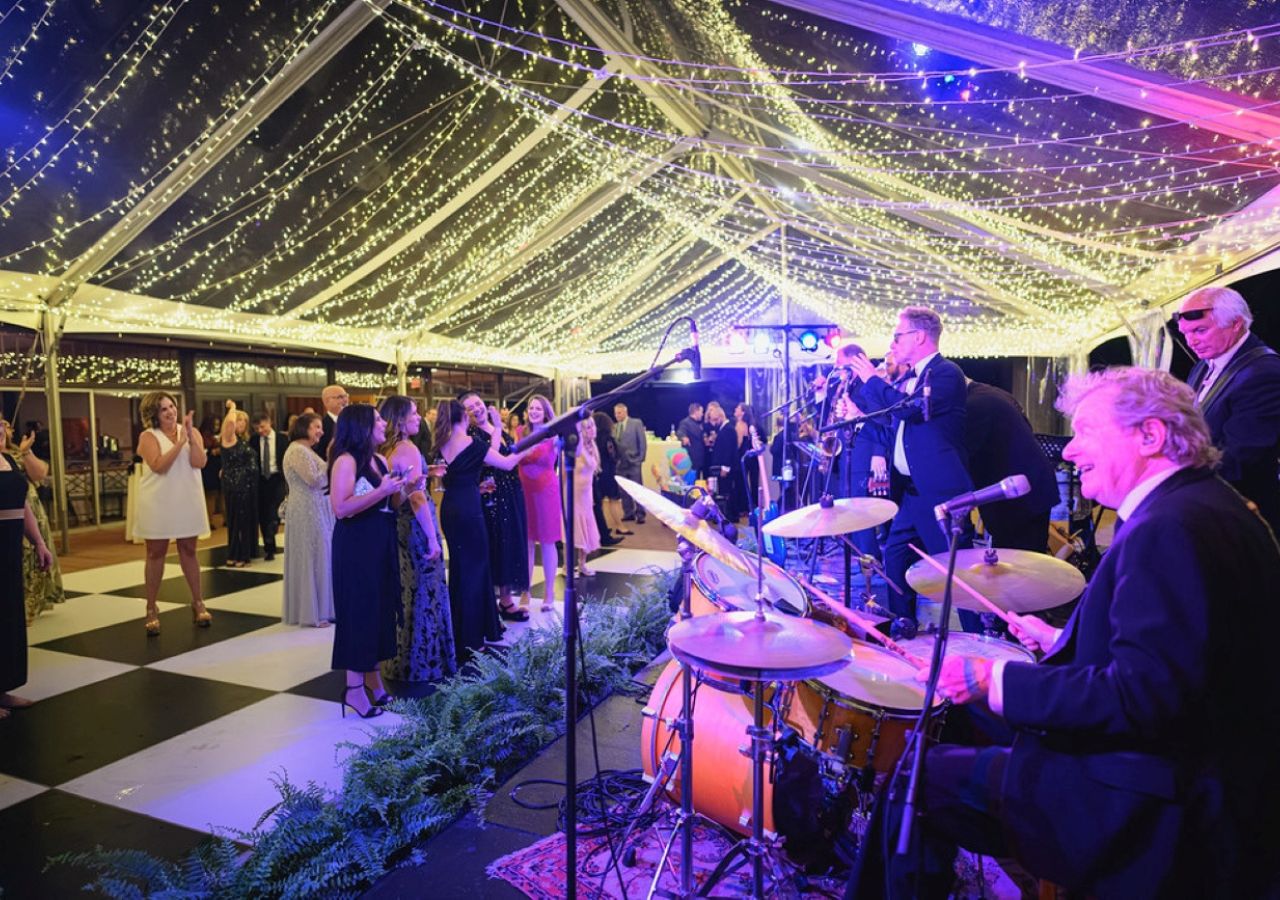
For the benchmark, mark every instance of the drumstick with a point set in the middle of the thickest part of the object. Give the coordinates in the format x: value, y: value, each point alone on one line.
x: 860, y: 623
x: 972, y: 591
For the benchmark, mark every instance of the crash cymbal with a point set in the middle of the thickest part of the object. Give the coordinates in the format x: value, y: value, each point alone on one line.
x: 1019, y: 581
x: 703, y: 534
x: 772, y: 647
x: 841, y: 517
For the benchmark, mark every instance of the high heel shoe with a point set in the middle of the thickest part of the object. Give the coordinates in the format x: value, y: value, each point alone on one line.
x: 152, y: 622
x: 369, y: 713
x: 512, y: 613
x: 379, y: 699
x: 201, y: 616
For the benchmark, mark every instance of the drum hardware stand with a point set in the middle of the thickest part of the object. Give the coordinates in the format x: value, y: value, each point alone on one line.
x: 565, y: 426
x: 756, y: 848
x: 682, y: 726
x: 956, y: 530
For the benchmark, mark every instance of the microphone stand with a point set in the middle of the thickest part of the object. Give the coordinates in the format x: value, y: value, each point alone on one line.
x: 566, y: 426
x: 909, y: 813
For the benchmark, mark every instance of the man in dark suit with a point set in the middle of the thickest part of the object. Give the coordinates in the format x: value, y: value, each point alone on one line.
x: 724, y: 452
x: 335, y: 400
x: 269, y: 445
x: 1237, y: 385
x: 690, y: 433
x: 1000, y: 443
x: 864, y: 447
x: 927, y: 459
x: 1143, y: 762
x: 633, y: 445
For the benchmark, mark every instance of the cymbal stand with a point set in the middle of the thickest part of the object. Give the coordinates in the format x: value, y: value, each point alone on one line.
x: 756, y: 848
x: 683, y: 727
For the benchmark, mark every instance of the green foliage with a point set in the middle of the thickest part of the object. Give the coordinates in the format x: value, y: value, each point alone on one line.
x: 410, y: 781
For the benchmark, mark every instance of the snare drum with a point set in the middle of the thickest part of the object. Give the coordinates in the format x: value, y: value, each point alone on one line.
x: 961, y: 643
x: 858, y: 717
x: 717, y: 588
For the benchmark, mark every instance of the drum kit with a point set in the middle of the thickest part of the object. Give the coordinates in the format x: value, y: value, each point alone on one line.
x: 784, y: 673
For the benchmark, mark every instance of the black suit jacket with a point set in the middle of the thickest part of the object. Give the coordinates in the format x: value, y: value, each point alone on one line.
x: 322, y: 445
x: 691, y: 429
x: 935, y: 449
x: 1145, y: 762
x: 1000, y: 443
x: 282, y: 441
x: 724, y: 452
x: 1243, y: 412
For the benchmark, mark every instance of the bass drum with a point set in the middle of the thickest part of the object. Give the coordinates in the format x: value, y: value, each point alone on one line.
x: 721, y: 770
x: 717, y: 588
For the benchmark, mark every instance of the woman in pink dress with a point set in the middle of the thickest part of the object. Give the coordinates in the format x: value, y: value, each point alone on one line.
x: 585, y: 532
x: 541, y: 483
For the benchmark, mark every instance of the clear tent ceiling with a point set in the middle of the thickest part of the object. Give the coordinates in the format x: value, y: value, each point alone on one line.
x: 549, y: 184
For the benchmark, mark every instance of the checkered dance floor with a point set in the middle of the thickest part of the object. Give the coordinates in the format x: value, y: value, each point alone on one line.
x: 150, y: 743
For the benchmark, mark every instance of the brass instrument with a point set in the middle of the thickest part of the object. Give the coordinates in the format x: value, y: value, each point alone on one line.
x: 831, y: 443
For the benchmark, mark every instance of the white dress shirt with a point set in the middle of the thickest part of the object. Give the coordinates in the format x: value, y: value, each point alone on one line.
x: 899, y: 452
x: 1128, y: 506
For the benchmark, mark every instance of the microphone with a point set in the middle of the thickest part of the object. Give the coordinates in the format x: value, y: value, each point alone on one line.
x: 1006, y: 489
x: 695, y: 352
x: 927, y: 392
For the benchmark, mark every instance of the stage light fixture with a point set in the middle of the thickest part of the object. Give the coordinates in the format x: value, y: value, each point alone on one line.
x: 808, y: 341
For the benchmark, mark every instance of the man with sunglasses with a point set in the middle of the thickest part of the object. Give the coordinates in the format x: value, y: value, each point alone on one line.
x: 928, y: 463
x: 1237, y: 387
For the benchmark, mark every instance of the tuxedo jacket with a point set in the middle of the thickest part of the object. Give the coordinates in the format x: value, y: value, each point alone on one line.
x: 999, y: 442
x: 282, y: 441
x: 1145, y: 762
x: 1242, y: 409
x: 935, y: 449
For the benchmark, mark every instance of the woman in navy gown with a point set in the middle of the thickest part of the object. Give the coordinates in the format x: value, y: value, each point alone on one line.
x: 366, y: 556
x: 475, y: 614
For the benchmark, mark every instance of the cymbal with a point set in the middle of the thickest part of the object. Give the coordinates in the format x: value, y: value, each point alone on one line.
x: 1019, y: 581
x: 775, y: 647
x: 841, y: 517
x: 701, y: 533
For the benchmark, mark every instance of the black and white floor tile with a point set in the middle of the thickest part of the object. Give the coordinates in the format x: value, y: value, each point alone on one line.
x: 151, y: 743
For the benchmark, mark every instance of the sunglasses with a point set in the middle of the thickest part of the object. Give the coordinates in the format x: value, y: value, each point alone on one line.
x: 1191, y: 315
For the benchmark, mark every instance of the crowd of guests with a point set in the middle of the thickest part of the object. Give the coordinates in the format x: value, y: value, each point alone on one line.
x: 717, y: 448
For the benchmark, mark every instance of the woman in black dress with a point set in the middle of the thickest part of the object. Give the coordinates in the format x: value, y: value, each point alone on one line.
x: 505, y: 516
x: 475, y: 617
x: 239, y: 487
x: 365, y: 560
x: 16, y: 519
x: 607, y: 496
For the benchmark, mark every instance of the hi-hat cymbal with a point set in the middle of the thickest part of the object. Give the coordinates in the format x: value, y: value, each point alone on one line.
x: 1019, y: 581
x: 701, y: 533
x: 841, y: 517
x: 775, y: 647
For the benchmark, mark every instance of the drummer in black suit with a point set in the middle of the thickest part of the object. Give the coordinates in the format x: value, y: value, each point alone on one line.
x: 1143, y: 761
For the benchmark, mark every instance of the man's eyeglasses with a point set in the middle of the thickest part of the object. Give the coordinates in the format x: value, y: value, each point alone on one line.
x: 902, y: 334
x: 1191, y: 315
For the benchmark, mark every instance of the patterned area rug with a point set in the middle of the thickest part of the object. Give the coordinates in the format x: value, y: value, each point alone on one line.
x: 539, y: 869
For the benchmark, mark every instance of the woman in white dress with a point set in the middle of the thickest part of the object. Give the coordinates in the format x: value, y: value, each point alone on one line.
x: 308, y: 529
x: 170, y: 504
x: 586, y: 534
